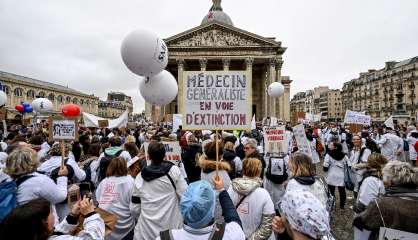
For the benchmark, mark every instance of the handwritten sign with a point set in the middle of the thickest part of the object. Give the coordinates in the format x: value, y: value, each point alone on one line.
x: 352, y: 117
x: 303, y: 143
x: 275, y: 139
x: 217, y: 100
x: 172, y: 151
x: 103, y: 123
x: 63, y: 129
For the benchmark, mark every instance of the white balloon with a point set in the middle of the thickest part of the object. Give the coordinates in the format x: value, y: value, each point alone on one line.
x: 3, y: 99
x: 42, y: 105
x: 275, y: 89
x: 159, y: 89
x: 144, y: 53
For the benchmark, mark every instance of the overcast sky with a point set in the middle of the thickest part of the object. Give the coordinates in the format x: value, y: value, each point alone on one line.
x: 78, y: 42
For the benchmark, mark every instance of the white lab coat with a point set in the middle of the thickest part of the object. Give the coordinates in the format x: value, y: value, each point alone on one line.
x: 114, y: 195
x: 390, y: 144
x: 159, y: 209
x: 335, y: 174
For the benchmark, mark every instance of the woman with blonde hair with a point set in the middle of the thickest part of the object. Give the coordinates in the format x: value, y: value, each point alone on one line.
x: 304, y: 178
x: 21, y: 166
x: 253, y: 203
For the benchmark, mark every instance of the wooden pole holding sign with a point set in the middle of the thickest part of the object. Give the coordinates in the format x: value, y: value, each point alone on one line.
x: 62, y: 144
x: 217, y: 153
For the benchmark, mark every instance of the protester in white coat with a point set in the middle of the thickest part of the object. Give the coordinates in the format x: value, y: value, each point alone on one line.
x: 35, y: 220
x: 156, y: 196
x: 391, y: 146
x: 304, y: 178
x: 334, y: 167
x: 371, y: 188
x: 114, y: 195
x: 21, y: 165
x: 253, y: 203
x: 358, y: 155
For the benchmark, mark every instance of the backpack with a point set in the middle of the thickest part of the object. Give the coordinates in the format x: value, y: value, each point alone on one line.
x: 405, y: 146
x: 8, y: 199
x: 70, y: 176
x: 276, y: 171
x: 104, y: 163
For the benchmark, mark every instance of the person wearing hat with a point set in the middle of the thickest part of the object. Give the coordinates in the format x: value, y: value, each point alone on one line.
x: 197, y: 207
x: 302, y: 217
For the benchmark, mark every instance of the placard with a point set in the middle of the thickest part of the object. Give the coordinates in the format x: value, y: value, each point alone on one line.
x: 352, y: 117
x: 303, y: 144
x: 393, y: 234
x: 217, y: 100
x: 172, y: 151
x: 103, y: 123
x: 66, y: 129
x: 177, y: 121
x: 275, y: 140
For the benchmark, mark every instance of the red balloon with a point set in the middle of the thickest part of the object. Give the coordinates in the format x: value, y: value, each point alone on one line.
x: 70, y: 110
x: 20, y: 108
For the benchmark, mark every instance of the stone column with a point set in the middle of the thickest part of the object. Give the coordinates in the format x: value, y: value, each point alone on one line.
x: 180, y: 69
x: 271, y: 79
x: 249, y: 68
x: 286, y: 102
x: 203, y: 62
x: 226, y: 62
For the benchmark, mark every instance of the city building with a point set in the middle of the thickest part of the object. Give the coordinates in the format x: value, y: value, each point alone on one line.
x: 389, y: 91
x: 218, y: 45
x: 308, y: 101
x: 24, y: 89
x: 115, y: 104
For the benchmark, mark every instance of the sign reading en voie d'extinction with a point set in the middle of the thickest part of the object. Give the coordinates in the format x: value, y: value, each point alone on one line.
x: 217, y: 100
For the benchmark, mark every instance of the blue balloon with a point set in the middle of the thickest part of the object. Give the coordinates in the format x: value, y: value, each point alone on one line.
x: 25, y: 104
x: 27, y: 109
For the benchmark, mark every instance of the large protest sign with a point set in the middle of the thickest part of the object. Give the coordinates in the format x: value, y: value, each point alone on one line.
x: 303, y: 143
x: 217, y: 100
x: 172, y: 149
x: 275, y: 141
x: 66, y: 129
x: 352, y: 117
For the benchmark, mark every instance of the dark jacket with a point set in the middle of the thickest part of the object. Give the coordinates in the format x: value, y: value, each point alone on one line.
x: 229, y: 157
x: 399, y: 208
x: 190, y: 156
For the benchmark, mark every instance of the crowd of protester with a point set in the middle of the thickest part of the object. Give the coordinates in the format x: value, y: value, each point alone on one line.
x: 110, y: 188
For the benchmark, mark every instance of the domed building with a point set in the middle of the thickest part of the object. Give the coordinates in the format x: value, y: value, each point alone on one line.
x: 217, y: 45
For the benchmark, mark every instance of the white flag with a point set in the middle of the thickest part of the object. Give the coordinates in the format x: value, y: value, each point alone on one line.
x: 253, y: 125
x: 389, y: 122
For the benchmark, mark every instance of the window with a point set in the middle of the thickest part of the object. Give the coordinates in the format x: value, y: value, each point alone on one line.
x: 6, y: 89
x: 60, y: 99
x: 30, y: 94
x: 51, y: 97
x: 68, y: 99
x: 81, y: 101
x: 18, y: 92
x: 41, y: 94
x: 75, y: 101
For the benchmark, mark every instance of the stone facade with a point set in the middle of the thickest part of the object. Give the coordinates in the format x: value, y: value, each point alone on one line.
x: 115, y: 104
x: 217, y: 45
x: 23, y: 89
x: 392, y: 90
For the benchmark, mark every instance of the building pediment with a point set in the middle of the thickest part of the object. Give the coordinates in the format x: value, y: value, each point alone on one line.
x: 219, y: 35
